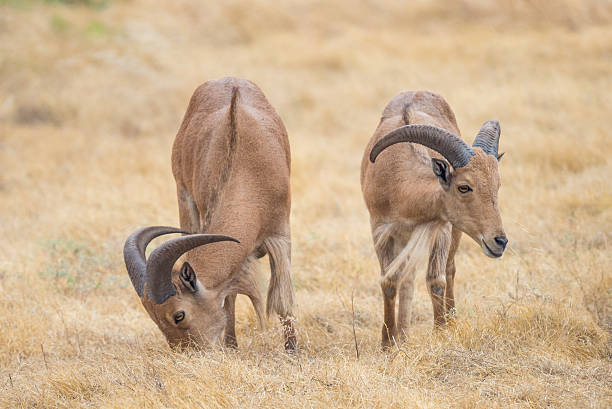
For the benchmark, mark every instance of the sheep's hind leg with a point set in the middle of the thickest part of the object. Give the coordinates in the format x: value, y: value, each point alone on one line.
x: 189, y: 216
x: 280, y: 290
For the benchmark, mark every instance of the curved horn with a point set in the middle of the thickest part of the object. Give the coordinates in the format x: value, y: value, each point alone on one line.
x: 449, y: 145
x: 159, y: 266
x: 134, y: 252
x: 488, y: 138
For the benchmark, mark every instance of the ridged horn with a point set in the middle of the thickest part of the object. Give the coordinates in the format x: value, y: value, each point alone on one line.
x: 449, y: 145
x: 134, y: 252
x: 488, y: 138
x: 158, y: 274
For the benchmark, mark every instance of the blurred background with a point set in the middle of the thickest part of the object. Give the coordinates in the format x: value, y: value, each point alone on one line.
x: 92, y: 93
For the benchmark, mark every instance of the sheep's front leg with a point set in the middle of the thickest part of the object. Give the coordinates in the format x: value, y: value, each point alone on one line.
x: 406, y: 294
x: 230, y: 328
x: 389, y: 331
x: 386, y: 254
x: 450, y: 274
x: 436, y: 273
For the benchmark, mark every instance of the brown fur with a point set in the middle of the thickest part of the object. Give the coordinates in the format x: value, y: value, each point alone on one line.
x: 231, y: 164
x: 412, y: 214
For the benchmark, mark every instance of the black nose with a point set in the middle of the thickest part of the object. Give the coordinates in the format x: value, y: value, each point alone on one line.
x: 501, y: 241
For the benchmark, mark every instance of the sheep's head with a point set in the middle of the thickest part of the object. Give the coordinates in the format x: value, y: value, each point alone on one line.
x: 469, y: 178
x: 185, y: 311
x: 470, y: 200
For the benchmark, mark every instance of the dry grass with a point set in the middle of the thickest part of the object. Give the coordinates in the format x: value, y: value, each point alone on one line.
x: 91, y: 97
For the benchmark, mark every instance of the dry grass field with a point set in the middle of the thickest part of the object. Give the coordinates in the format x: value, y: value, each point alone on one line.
x: 92, y: 94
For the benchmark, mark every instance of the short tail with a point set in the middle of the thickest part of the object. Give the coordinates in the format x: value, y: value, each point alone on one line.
x: 232, y: 113
x: 406, y: 113
x: 280, y: 290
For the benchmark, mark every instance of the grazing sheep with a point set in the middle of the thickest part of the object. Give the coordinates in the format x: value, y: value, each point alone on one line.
x: 231, y: 164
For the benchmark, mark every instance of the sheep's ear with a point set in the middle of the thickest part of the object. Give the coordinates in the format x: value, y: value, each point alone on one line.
x: 441, y: 169
x: 188, y: 277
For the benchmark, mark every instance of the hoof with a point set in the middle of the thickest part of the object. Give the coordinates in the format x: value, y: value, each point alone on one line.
x: 291, y: 345
x: 451, y: 314
x: 387, y: 344
x: 230, y: 342
x: 389, y: 337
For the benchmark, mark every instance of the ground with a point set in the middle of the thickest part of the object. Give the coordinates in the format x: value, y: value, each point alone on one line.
x: 92, y: 94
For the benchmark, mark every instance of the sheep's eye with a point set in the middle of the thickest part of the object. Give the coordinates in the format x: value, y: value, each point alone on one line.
x: 179, y: 316
x: 464, y: 189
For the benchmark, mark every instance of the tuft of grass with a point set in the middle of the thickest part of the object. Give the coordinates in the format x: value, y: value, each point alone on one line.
x: 97, y: 4
x: 87, y: 3
x: 97, y: 28
x: 36, y: 115
x: 59, y: 24
x: 74, y: 268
